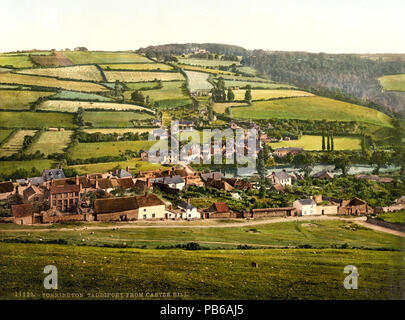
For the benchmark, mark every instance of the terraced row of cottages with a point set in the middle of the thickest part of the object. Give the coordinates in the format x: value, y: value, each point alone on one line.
x: 52, y: 197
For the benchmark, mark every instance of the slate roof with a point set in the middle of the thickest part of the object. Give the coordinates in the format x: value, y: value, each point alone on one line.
x: 307, y: 202
x: 169, y: 180
x: 282, y: 175
x: 53, y: 174
x: 186, y: 206
x: 22, y: 210
x: 212, y: 175
x: 122, y: 174
x: 6, y: 187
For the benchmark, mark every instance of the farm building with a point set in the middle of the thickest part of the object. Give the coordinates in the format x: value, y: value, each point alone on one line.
x: 354, y: 206
x: 23, y: 213
x: 326, y: 209
x: 148, y: 206
x: 174, y: 182
x: 271, y: 212
x: 305, y: 207
x: 64, y: 198
x: 281, y: 177
x: 188, y: 211
x: 324, y: 174
x: 218, y: 210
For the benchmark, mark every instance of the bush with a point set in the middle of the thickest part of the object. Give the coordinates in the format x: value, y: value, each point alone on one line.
x: 193, y: 246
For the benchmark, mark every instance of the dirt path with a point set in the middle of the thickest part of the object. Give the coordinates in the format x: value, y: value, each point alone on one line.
x: 135, y: 225
x: 363, y: 223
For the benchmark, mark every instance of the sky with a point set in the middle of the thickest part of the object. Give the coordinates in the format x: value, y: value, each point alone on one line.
x: 344, y: 26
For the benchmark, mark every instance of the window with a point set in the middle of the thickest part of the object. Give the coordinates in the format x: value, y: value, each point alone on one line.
x: 189, y: 215
x: 144, y: 216
x: 144, y: 210
x: 153, y: 215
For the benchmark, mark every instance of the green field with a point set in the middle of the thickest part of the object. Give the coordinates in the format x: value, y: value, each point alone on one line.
x: 20, y: 99
x: 394, y: 82
x: 136, y: 66
x: 311, y: 108
x: 15, y: 143
x: 394, y: 217
x: 17, y: 61
x: 10, y: 119
x: 206, y: 62
x: 51, y: 142
x: 101, y: 149
x: 141, y: 85
x: 282, y: 274
x: 8, y: 167
x: 4, y: 134
x: 315, y: 143
x: 85, y: 73
x: 135, y: 165
x: 90, y: 57
x: 106, y: 119
x: 204, y: 69
x: 82, y: 96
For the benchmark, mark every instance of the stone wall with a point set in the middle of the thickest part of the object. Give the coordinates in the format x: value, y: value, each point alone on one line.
x: 65, y: 218
x: 386, y: 224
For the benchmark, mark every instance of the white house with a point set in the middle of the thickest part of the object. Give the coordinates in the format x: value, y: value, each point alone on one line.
x: 281, y: 177
x: 188, y: 211
x: 305, y: 207
x: 175, y: 182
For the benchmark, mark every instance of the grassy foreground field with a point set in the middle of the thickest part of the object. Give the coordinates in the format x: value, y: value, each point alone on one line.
x: 311, y: 108
x: 394, y: 82
x: 224, y: 274
x: 315, y: 143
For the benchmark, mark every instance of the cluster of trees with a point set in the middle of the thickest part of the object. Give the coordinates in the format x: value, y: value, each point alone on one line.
x: 330, y: 145
x: 220, y: 94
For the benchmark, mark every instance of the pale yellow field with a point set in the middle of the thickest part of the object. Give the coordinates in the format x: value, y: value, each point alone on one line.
x: 89, y: 73
x: 202, y: 69
x: 271, y: 94
x: 15, y: 143
x: 133, y: 76
x: 23, y: 79
x: 73, y: 106
x: 117, y: 130
x: 220, y: 107
x: 51, y: 142
x: 136, y: 66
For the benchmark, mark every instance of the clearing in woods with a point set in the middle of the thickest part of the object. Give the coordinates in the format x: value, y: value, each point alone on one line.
x: 394, y: 82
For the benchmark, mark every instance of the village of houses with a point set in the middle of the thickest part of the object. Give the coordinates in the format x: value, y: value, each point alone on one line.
x: 53, y: 198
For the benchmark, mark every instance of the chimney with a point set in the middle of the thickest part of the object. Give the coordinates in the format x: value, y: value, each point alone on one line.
x: 148, y: 183
x: 171, y: 207
x: 77, y: 179
x: 128, y: 169
x: 96, y: 186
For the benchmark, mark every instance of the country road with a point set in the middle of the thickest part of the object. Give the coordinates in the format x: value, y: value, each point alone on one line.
x: 172, y: 224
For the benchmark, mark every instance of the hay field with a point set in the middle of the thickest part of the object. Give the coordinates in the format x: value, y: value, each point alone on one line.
x: 87, y: 73
x: 311, y: 108
x: 202, y: 69
x: 114, y: 119
x: 220, y: 107
x: 15, y: 143
x: 314, y: 143
x: 20, y: 99
x: 16, y: 61
x: 394, y: 82
x: 30, y: 80
x: 270, y: 94
x: 99, y: 57
x: 171, y: 90
x: 51, y: 142
x: 136, y: 66
x: 11, y: 119
x: 73, y: 106
x: 134, y: 76
x: 198, y: 80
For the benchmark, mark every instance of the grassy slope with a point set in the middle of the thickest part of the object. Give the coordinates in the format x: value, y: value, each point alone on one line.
x: 315, y: 143
x: 311, y: 108
x: 282, y: 274
x: 20, y: 100
x: 36, y: 120
x: 100, y: 149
